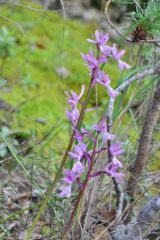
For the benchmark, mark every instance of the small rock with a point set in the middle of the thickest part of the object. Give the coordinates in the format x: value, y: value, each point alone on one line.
x: 90, y: 14
x: 63, y: 72
x: 41, y: 120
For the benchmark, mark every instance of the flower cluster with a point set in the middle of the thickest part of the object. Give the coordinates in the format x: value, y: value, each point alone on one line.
x: 105, y: 52
x: 73, y: 100
x: 85, y: 149
x: 112, y: 167
x: 116, y: 149
x: 80, y: 157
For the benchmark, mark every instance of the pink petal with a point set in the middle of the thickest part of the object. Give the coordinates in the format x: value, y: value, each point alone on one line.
x: 91, y: 41
x: 116, y: 162
x: 111, y: 92
x: 78, y: 168
x: 66, y: 192
x: 82, y: 91
x: 120, y: 54
x: 98, y: 35
x: 116, y: 149
x: 122, y: 65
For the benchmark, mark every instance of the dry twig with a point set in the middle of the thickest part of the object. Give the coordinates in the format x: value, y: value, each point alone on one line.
x: 144, y: 144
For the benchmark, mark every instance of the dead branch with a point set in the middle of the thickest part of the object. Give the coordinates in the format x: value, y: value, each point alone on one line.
x: 95, y: 182
x: 111, y: 24
x: 138, y: 227
x: 121, y: 88
x: 144, y: 143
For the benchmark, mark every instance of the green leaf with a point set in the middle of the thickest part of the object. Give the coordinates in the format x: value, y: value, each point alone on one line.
x: 3, y: 82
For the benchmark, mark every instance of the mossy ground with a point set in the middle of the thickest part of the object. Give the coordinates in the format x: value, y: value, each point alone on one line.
x: 43, y: 43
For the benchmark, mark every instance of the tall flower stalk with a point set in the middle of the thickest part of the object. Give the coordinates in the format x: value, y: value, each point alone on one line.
x: 85, y: 151
x: 83, y: 157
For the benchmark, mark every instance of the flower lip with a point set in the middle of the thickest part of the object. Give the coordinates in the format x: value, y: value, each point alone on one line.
x: 100, y: 39
x: 117, y: 56
x: 73, y: 99
x: 73, y: 116
x: 104, y: 80
x: 66, y: 192
x: 112, y: 168
x: 102, y: 128
x: 78, y: 168
x: 90, y: 59
x: 116, y: 149
x: 70, y: 176
x: 79, y: 151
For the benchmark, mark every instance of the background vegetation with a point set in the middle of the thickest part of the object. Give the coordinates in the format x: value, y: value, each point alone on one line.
x: 39, y: 60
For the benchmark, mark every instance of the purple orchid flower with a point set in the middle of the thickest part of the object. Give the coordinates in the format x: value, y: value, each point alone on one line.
x: 107, y: 136
x: 104, y: 80
x: 93, y: 65
x: 116, y: 149
x: 117, y: 55
x: 73, y: 99
x: 123, y: 65
x: 79, y: 151
x: 117, y: 163
x: 92, y: 62
x: 78, y: 168
x: 102, y: 59
x: 66, y: 192
x: 70, y: 176
x: 100, y: 39
x: 81, y: 135
x: 73, y: 116
x: 112, y: 168
x: 107, y: 51
x: 78, y: 135
x: 102, y: 128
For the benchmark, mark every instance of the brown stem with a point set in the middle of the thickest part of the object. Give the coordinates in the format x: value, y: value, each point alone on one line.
x: 81, y: 192
x: 144, y: 144
x: 92, y: 193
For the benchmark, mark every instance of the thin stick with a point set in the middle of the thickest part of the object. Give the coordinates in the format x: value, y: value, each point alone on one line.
x: 111, y: 24
x: 121, y: 88
x: 144, y: 144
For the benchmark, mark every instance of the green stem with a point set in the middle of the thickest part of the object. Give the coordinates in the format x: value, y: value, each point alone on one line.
x: 51, y: 188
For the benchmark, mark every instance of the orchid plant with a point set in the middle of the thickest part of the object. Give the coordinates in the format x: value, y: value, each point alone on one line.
x: 85, y: 147
x: 85, y: 151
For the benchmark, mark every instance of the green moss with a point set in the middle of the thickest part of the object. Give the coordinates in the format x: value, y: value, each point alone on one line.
x: 155, y: 163
x: 43, y: 42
